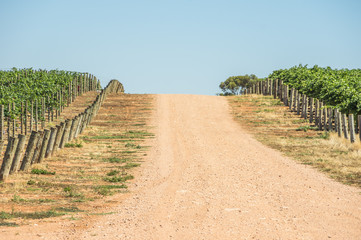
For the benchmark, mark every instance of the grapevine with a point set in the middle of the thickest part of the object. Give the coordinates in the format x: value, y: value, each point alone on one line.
x: 337, y: 88
x: 27, y: 85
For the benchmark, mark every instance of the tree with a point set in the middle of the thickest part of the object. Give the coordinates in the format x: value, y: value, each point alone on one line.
x: 235, y: 84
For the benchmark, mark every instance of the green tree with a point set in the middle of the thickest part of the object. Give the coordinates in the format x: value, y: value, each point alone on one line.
x: 235, y: 84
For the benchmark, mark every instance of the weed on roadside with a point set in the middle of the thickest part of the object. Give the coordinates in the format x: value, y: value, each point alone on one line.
x: 30, y: 215
x: 116, y: 160
x: 121, y: 179
x: 131, y: 165
x: 41, y: 171
x: 306, y: 128
x: 112, y: 173
x: 73, y: 145
x: 106, y: 190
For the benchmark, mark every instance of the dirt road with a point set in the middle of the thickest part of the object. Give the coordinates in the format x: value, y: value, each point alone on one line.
x: 206, y: 178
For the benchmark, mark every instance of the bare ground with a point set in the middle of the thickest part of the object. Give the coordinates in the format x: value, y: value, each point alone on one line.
x: 206, y: 178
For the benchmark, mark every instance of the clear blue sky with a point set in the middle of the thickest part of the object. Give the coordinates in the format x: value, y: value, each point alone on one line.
x: 179, y: 46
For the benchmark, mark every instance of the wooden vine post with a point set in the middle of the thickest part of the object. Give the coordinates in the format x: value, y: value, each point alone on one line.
x: 56, y: 108
x: 1, y: 127
x: 22, y: 118
x: 335, y: 111
x: 65, y: 136
x: 330, y: 117
x: 311, y: 109
x: 320, y: 115
x: 44, y: 145
x: 8, y: 121
x: 31, y: 115
x: 48, y: 109
x: 286, y: 97
x: 18, y: 153
x: 49, y: 150
x: 325, y: 118
x: 298, y: 103
x: 291, y: 99
x: 303, y: 112
x: 43, y: 113
x: 29, y: 152
x: 8, y: 158
x: 59, y: 135
x: 344, y: 126
x: 351, y: 125
x: 13, y: 120
x: 359, y: 126
x: 339, y: 124
x: 306, y: 107
x: 37, y: 147
x: 52, y: 108
x: 36, y: 115
x: 275, y: 91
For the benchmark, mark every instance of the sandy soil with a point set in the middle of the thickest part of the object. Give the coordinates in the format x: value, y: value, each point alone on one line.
x: 205, y: 178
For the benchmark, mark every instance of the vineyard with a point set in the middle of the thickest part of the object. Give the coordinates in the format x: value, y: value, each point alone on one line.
x: 335, y: 88
x: 32, y: 102
x: 330, y: 99
x: 29, y: 97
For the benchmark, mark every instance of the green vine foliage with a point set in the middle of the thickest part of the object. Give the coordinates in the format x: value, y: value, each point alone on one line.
x: 336, y: 88
x: 21, y: 85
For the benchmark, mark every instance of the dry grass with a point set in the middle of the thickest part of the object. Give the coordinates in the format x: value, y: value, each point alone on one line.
x: 81, y: 179
x: 274, y: 125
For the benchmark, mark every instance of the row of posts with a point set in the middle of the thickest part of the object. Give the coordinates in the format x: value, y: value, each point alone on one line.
x: 325, y: 118
x: 43, y: 144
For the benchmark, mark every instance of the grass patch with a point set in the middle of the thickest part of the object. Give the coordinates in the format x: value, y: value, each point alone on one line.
x: 131, y: 165
x: 73, y: 145
x: 106, y: 190
x: 8, y: 224
x: 41, y: 172
x: 31, y: 215
x: 132, y: 145
x: 45, y: 200
x: 113, y: 173
x: 139, y: 124
x: 68, y: 209
x: 128, y: 152
x: 31, y: 182
x: 127, y: 135
x: 102, y: 214
x: 324, y: 135
x: 17, y: 199
x: 114, y: 121
x: 116, y: 160
x: 72, y: 193
x: 264, y: 110
x: 306, y: 128
x: 33, y: 189
x: 296, y: 121
x: 116, y: 179
x: 106, y: 137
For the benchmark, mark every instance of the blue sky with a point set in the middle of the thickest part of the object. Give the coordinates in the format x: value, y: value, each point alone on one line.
x: 179, y: 46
